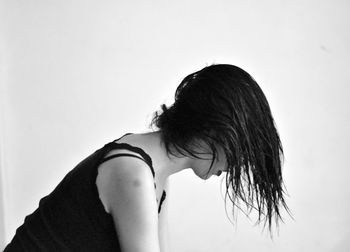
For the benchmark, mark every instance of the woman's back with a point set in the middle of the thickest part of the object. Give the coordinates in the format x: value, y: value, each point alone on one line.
x: 72, y: 217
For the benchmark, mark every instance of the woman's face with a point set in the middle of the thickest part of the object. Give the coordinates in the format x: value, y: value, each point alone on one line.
x: 201, y: 166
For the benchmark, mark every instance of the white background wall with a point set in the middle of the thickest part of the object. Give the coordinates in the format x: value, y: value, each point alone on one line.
x: 76, y: 74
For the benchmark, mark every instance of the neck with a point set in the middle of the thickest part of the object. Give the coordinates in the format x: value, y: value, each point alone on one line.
x: 163, y: 165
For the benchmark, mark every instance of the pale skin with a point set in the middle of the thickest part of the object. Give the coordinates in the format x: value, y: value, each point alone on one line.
x: 126, y: 189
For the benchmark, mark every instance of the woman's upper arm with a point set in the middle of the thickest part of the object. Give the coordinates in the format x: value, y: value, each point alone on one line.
x: 131, y: 200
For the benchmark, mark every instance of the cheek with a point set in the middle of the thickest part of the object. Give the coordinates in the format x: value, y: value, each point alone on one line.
x: 222, y: 160
x: 222, y: 164
x: 202, y: 168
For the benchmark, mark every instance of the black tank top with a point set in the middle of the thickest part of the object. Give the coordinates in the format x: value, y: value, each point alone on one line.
x: 72, y: 216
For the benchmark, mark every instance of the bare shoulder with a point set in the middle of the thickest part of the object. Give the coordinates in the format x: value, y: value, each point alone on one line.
x: 123, y: 175
x: 126, y: 188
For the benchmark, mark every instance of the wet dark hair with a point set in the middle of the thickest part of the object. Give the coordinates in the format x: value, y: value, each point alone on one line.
x: 222, y: 106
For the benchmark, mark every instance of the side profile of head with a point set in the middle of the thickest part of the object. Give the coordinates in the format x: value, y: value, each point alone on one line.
x: 222, y: 109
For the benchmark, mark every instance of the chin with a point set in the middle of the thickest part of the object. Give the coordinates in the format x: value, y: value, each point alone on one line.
x: 206, y: 178
x: 201, y: 176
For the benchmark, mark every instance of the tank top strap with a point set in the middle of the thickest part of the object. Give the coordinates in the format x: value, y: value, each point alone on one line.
x: 122, y: 137
x: 120, y: 155
x: 161, y: 201
x: 145, y: 157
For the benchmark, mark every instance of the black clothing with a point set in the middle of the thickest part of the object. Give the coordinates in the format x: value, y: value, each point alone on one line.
x: 72, y: 216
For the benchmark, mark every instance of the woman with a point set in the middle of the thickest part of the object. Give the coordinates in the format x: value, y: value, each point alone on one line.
x: 112, y: 200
